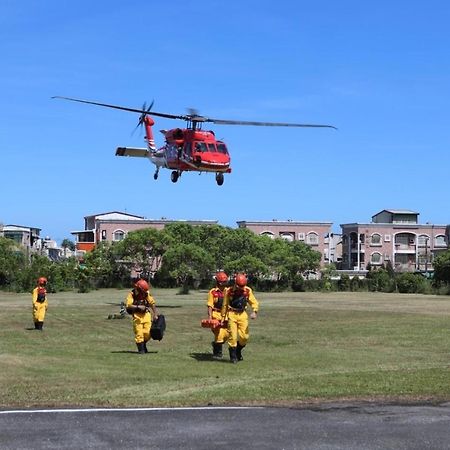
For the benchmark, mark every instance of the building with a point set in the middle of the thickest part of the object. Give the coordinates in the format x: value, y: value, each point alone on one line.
x: 27, y: 237
x: 317, y: 235
x: 115, y: 225
x: 395, y: 236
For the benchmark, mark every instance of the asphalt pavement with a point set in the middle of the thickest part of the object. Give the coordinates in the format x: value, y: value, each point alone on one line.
x: 331, y: 426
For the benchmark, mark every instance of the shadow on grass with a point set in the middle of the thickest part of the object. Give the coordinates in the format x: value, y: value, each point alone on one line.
x: 205, y: 357
x: 133, y: 352
x: 159, y: 306
x: 168, y: 306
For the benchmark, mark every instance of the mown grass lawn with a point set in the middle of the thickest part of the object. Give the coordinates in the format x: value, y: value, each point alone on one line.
x: 304, y: 347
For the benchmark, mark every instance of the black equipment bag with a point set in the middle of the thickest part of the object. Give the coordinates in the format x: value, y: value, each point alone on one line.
x: 158, y: 328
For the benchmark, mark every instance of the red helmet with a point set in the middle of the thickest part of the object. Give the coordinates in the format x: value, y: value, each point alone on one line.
x: 142, y: 285
x: 240, y: 280
x: 221, y: 277
x: 42, y: 280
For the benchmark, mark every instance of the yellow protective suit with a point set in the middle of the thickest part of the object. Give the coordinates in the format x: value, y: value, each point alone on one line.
x: 40, y: 306
x: 142, y: 320
x: 234, y: 309
x: 215, y: 303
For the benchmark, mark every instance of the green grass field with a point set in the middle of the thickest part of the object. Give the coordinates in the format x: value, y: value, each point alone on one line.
x: 304, y: 348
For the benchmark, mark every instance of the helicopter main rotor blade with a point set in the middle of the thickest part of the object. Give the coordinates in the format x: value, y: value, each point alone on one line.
x: 266, y: 124
x: 193, y: 117
x: 123, y: 108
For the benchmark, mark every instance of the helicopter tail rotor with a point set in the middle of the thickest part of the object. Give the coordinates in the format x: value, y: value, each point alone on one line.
x: 144, y: 113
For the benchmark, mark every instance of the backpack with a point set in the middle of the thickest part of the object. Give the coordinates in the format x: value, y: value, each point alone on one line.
x: 158, y: 328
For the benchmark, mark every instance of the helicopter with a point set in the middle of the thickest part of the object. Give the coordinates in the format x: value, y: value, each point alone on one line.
x: 188, y: 149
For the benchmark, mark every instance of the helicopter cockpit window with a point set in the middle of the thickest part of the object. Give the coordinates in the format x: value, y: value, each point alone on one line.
x: 222, y: 148
x: 211, y: 148
x: 200, y: 147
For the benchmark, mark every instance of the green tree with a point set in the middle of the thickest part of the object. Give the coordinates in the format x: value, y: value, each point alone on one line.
x: 183, y: 233
x: 241, y: 241
x: 248, y: 264
x: 67, y: 244
x: 441, y: 266
x: 279, y: 258
x: 143, y: 250
x: 12, y: 262
x: 212, y: 238
x: 102, y: 268
x: 187, y: 263
x: 304, y: 258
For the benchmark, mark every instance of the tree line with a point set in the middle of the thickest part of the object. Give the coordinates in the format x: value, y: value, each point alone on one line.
x: 186, y: 256
x: 180, y: 255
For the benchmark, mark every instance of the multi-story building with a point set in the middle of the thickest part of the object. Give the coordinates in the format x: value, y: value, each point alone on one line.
x: 113, y: 226
x: 393, y: 236
x: 317, y: 235
x: 28, y: 237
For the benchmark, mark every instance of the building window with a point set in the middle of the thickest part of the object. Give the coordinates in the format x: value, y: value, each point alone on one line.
x: 17, y: 237
x: 387, y: 238
x: 439, y: 241
x: 312, y: 238
x: 376, y: 258
x: 375, y: 239
x: 87, y: 236
x: 118, y: 235
x: 401, y: 258
x: 301, y: 236
x: 288, y: 236
x: 423, y: 240
x: 268, y: 234
x: 103, y: 235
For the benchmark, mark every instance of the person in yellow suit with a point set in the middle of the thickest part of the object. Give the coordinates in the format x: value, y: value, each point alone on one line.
x: 40, y: 303
x: 215, y: 303
x: 234, y: 309
x: 139, y: 303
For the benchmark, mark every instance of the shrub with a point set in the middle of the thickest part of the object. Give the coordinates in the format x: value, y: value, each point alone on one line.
x: 298, y: 283
x: 410, y: 283
x: 380, y: 281
x: 344, y: 283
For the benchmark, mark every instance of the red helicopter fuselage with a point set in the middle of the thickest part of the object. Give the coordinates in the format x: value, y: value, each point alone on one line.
x: 188, y: 149
x: 195, y: 150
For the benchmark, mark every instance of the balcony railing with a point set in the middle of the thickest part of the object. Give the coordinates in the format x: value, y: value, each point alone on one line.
x: 405, y: 248
x: 405, y: 267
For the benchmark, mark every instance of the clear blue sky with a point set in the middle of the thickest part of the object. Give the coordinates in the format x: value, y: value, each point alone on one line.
x: 379, y: 71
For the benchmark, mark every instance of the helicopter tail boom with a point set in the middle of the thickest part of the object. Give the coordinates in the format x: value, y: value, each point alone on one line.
x: 132, y: 151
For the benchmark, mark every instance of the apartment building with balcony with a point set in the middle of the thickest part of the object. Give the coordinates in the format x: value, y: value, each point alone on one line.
x: 395, y: 236
x: 317, y: 235
x: 28, y: 237
x: 113, y: 226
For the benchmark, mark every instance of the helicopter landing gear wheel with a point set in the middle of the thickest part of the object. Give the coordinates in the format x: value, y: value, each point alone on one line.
x: 219, y: 178
x: 174, y: 176
x: 155, y: 175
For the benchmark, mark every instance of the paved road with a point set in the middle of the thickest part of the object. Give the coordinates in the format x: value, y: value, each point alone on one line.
x: 323, y: 427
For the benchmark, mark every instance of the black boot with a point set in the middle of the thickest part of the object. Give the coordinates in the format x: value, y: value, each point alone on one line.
x: 40, y: 325
x: 36, y: 325
x: 217, y: 350
x: 145, y: 347
x: 140, y: 347
x: 233, y: 357
x: 239, y: 352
